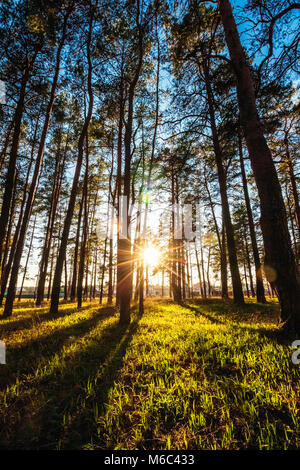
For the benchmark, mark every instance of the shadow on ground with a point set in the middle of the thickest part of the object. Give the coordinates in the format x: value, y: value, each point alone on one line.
x: 32, y: 318
x: 26, y: 357
x: 57, y: 410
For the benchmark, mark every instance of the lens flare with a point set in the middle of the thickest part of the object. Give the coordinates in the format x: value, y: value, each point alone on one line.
x: 151, y: 256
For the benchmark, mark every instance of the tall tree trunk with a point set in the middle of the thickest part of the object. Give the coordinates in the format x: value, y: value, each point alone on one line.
x: 12, y: 215
x: 203, y: 288
x: 27, y: 260
x: 249, y: 264
x: 293, y: 182
x: 34, y: 182
x: 107, y: 228
x: 291, y: 217
x: 140, y: 250
x: 51, y: 271
x: 246, y: 281
x: 141, y: 287
x: 207, y: 271
x: 7, y: 266
x: 199, y: 273
x: 119, y: 177
x: 279, y: 257
x: 221, y: 243
x: 125, y: 266
x: 6, y: 144
x: 178, y: 243
x: 84, y: 230
x: 183, y: 273
x: 66, y: 280
x: 70, y: 210
x: 110, y: 264
x: 224, y: 275
x: 95, y: 272
x: 141, y: 280
x: 260, y: 293
x: 11, y: 171
x: 57, y: 183
x: 10, y: 247
x: 103, y: 270
x: 234, y: 269
x: 174, y: 277
x: 76, y: 251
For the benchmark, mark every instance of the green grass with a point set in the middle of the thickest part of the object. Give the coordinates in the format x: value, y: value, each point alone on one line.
x: 203, y: 375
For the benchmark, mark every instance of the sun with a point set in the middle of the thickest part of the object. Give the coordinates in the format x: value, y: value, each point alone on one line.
x: 151, y: 256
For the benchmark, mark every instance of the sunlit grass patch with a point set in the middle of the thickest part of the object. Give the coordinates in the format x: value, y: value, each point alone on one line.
x: 201, y: 381
x: 201, y: 375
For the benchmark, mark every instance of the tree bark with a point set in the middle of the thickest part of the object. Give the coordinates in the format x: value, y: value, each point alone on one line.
x: 221, y: 243
x: 234, y: 269
x: 70, y: 210
x: 57, y: 183
x: 224, y: 274
x: 34, y: 182
x: 125, y: 265
x: 84, y: 229
x: 281, y: 269
x: 260, y: 293
x: 199, y: 272
x: 27, y: 260
x: 293, y: 182
x: 11, y: 171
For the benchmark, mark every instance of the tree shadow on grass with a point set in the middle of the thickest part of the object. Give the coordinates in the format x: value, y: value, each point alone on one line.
x: 249, y: 312
x: 24, y: 358
x: 198, y: 312
x: 33, y: 319
x: 60, y: 406
x: 234, y: 393
x: 83, y: 427
x: 276, y: 335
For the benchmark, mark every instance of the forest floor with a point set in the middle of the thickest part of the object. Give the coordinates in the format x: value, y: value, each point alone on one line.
x: 201, y: 375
